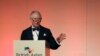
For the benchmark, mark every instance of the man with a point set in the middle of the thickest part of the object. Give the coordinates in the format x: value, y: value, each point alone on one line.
x: 38, y: 32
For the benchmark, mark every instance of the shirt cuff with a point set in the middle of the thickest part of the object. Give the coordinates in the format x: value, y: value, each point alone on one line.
x: 58, y: 42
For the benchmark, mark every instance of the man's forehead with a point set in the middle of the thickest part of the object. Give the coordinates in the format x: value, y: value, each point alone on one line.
x: 35, y: 15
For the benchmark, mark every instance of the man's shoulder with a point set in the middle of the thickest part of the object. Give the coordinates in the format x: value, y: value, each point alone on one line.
x: 44, y: 28
x: 27, y: 29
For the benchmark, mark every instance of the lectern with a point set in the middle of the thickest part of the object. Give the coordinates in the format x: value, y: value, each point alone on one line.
x: 29, y: 48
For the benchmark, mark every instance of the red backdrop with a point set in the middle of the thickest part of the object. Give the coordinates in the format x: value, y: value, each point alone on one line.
x: 63, y: 16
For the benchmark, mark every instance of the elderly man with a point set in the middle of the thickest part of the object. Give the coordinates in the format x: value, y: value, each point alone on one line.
x: 38, y: 32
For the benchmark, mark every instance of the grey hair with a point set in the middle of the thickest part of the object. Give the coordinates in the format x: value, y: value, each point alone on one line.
x: 35, y: 12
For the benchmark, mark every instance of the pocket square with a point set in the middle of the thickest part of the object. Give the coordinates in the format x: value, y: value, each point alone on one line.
x: 44, y: 34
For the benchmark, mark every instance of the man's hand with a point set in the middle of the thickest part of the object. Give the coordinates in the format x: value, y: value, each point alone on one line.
x: 61, y: 37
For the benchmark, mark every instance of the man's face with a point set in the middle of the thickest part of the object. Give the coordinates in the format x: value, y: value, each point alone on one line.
x: 36, y: 19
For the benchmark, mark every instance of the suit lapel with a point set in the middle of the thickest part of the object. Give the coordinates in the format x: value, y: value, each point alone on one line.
x: 40, y: 37
x: 30, y: 33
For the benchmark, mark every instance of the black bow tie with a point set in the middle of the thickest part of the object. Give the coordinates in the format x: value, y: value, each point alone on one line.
x: 35, y: 29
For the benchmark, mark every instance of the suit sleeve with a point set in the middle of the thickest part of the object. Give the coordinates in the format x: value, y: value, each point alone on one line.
x: 51, y: 41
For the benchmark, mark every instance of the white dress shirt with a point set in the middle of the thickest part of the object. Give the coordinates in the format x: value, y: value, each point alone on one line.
x: 35, y: 34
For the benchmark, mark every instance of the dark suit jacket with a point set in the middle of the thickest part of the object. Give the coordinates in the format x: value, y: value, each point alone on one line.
x: 50, y: 41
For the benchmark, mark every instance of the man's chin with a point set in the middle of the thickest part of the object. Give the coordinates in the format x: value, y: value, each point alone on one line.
x: 36, y: 26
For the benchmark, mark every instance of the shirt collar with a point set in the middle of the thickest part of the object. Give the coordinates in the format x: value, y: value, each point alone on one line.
x: 33, y: 26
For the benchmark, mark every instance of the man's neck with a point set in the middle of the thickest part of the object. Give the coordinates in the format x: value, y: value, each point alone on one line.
x: 35, y: 27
